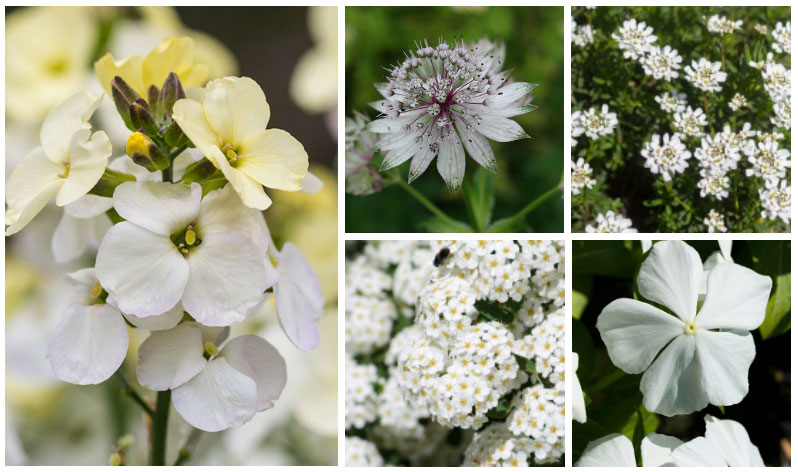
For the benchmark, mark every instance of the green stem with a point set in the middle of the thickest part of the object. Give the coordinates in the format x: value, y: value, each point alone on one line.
x: 160, y: 422
x: 513, y: 220
x: 606, y: 381
x: 429, y: 205
x: 184, y: 454
x: 129, y: 391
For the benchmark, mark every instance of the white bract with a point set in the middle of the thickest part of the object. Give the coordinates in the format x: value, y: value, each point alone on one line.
x: 698, y: 364
x: 616, y: 450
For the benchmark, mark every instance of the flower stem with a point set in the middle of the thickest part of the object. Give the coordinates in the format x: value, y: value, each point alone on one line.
x: 513, y: 220
x: 129, y: 391
x: 430, y: 206
x: 160, y: 422
x: 184, y: 454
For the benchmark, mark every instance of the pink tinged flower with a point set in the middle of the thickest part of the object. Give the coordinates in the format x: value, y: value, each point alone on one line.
x: 696, y: 365
x: 298, y: 297
x: 176, y: 246
x: 213, y: 389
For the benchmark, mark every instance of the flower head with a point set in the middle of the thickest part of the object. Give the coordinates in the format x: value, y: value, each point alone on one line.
x: 725, y: 444
x: 634, y: 38
x: 580, y: 176
x: 583, y: 35
x: 716, y: 153
x: 715, y: 222
x: 447, y: 101
x: 662, y: 63
x: 362, y: 178
x: 691, y: 121
x: 599, y: 123
x: 722, y: 25
x: 776, y: 200
x: 738, y: 101
x: 666, y: 158
x: 616, y: 450
x: 782, y: 35
x: 672, y: 102
x: 611, y: 223
x: 705, y: 75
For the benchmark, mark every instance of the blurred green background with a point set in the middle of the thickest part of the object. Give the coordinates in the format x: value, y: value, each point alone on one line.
x: 378, y: 37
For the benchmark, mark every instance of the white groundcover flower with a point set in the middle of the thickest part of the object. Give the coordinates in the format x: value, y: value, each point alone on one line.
x: 616, y: 450
x: 699, y: 365
x: 212, y: 389
x: 209, y: 254
x: 726, y: 443
x: 578, y: 398
x: 68, y: 164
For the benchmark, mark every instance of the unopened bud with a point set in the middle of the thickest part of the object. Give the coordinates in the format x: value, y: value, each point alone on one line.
x: 171, y: 92
x: 174, y: 136
x: 152, y: 99
x: 146, y: 153
x: 141, y: 117
x: 124, y: 96
x: 126, y: 441
x: 115, y: 459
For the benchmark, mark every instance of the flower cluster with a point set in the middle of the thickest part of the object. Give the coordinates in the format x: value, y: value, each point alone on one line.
x: 596, y: 123
x: 666, y: 157
x: 581, y: 176
x: 609, y: 222
x: 722, y: 25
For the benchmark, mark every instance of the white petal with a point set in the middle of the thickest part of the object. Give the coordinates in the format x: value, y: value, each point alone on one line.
x: 64, y: 120
x: 168, y: 359
x: 235, y: 107
x: 257, y: 359
x: 635, y: 332
x: 478, y: 147
x: 725, y: 358
x: 613, y: 450
x: 419, y: 163
x: 89, y: 206
x: 398, y: 156
x: 31, y: 185
x: 190, y: 117
x: 726, y: 248
x: 88, y: 158
x: 298, y: 298
x: 697, y: 453
x: 168, y: 320
x: 730, y: 439
x: 451, y: 162
x: 144, y: 271
x: 671, y: 276
x: 672, y: 385
x: 222, y: 212
x: 509, y: 93
x: 88, y: 344
x: 160, y: 207
x: 218, y: 398
x: 656, y: 450
x: 394, y: 125
x: 228, y: 278
x: 73, y: 236
x: 578, y: 398
x: 86, y: 276
x: 311, y: 184
x: 736, y: 298
x: 500, y: 129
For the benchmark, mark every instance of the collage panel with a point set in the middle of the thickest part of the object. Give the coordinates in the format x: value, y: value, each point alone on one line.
x: 454, y: 119
x: 455, y: 353
x: 682, y: 353
x: 680, y: 119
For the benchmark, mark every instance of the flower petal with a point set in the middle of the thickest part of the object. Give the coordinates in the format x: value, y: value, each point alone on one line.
x: 88, y: 344
x: 250, y: 192
x: 613, y: 450
x: 167, y: 320
x: 160, y: 207
x: 106, y: 68
x: 635, y: 332
x: 189, y: 115
x: 73, y: 236
x: 254, y: 357
x: 88, y: 158
x: 31, y: 185
x: 144, y: 271
x: 477, y: 146
x: 173, y: 55
x: 227, y: 279
x: 672, y: 385
x: 217, y: 398
x: 737, y: 298
x: 725, y: 249
x: 236, y: 108
x: 671, y: 276
x: 725, y: 358
x: 63, y: 121
x: 697, y: 453
x: 273, y: 158
x: 451, y: 162
x: 89, y: 206
x: 311, y: 184
x: 657, y: 449
x: 222, y: 212
x: 578, y: 398
x: 170, y: 358
x: 419, y: 163
x: 500, y: 129
x: 730, y: 439
x: 298, y: 298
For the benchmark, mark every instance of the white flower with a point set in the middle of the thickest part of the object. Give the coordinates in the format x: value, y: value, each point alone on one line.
x: 726, y: 443
x: 662, y: 63
x: 705, y: 75
x: 722, y: 25
x: 616, y: 450
x: 583, y: 35
x: 227, y: 121
x: 672, y: 102
x: 713, y: 183
x: 580, y: 176
x: 447, y: 102
x: 782, y: 113
x: 599, y: 123
x: 578, y: 398
x: 738, y: 101
x: 611, y: 223
x: 776, y: 200
x: 690, y: 121
x: 768, y: 161
x: 175, y: 246
x: 716, y: 153
x: 715, y: 222
x: 361, y: 453
x: 697, y: 366
x: 669, y: 157
x: 782, y: 34
x: 761, y: 29
x: 68, y: 164
x: 212, y: 389
x: 634, y: 38
x: 778, y: 81
x: 577, y: 127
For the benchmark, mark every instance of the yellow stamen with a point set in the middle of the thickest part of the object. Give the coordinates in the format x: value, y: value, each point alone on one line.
x: 96, y: 290
x: 211, y: 348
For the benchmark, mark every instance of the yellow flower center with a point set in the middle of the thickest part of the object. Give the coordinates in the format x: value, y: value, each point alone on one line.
x: 690, y: 327
x: 230, y: 152
x: 96, y: 290
x: 211, y: 349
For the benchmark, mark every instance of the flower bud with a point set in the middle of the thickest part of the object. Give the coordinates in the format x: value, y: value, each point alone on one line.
x: 146, y: 153
x: 152, y: 99
x: 115, y: 459
x: 124, y: 96
x: 141, y: 118
x: 174, y: 136
x: 171, y: 92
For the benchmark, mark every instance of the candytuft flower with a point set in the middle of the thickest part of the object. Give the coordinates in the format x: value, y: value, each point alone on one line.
x: 445, y: 102
x: 667, y: 157
x: 705, y: 75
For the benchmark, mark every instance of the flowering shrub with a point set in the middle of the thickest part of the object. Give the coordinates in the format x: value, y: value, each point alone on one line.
x: 681, y: 118
x: 676, y: 341
x: 455, y: 353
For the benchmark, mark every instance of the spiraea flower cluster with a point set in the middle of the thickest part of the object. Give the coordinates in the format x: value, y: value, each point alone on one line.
x: 484, y: 346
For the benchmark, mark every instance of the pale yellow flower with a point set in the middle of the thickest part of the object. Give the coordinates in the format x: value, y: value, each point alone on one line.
x: 171, y: 55
x: 314, y: 82
x: 227, y: 122
x: 68, y: 164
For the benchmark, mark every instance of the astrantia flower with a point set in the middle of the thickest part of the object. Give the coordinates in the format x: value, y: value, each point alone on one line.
x: 782, y: 35
x: 214, y: 387
x: 634, y: 38
x: 715, y: 222
x: 227, y: 122
x: 698, y: 364
x: 705, y: 75
x: 68, y: 164
x: 738, y: 101
x: 722, y: 25
x: 616, y: 450
x: 611, y: 223
x: 362, y: 178
x: 776, y: 200
x: 580, y: 176
x: 725, y: 444
x: 209, y: 254
x: 672, y: 102
x: 578, y: 399
x: 691, y: 121
x: 448, y: 101
x: 662, y: 63
x: 599, y: 123
x: 666, y: 158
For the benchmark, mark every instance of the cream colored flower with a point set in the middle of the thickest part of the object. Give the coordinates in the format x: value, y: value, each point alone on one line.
x: 68, y: 164
x: 314, y: 82
x: 172, y: 55
x: 227, y: 122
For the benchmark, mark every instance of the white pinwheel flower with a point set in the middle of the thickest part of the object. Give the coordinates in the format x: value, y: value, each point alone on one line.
x: 616, y: 450
x: 725, y: 444
x: 212, y: 389
x: 578, y: 399
x: 706, y: 350
x: 68, y: 164
x: 227, y: 121
x: 175, y: 246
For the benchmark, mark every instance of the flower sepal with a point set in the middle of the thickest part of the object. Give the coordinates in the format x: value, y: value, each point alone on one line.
x: 206, y: 174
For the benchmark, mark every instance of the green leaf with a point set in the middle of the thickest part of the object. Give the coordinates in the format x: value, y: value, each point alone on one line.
x: 770, y: 258
x: 479, y: 199
x: 637, y: 436
x: 608, y: 258
x: 580, y: 295
x: 436, y: 224
x: 526, y: 365
x: 583, y: 347
x: 507, y: 225
x: 500, y: 411
x: 777, y: 315
x: 494, y: 312
x: 722, y: 409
